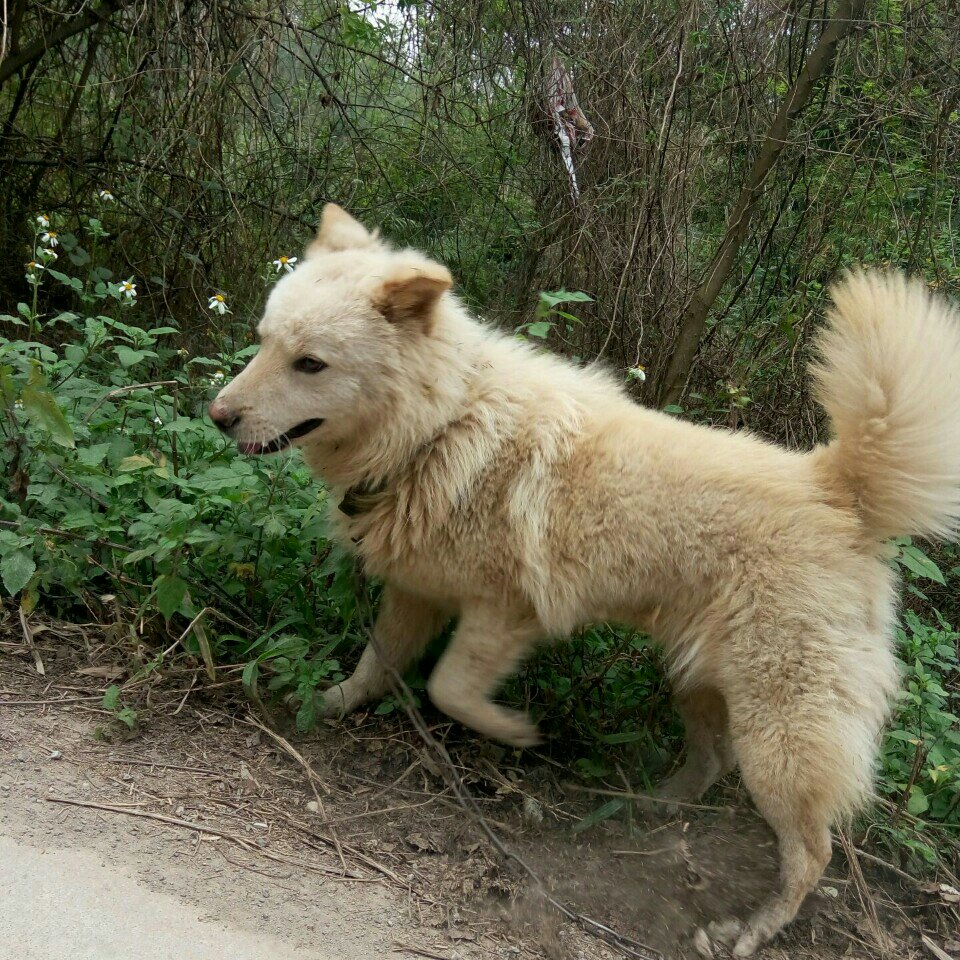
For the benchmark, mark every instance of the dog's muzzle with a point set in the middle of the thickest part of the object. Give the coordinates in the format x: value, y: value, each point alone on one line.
x: 281, y: 442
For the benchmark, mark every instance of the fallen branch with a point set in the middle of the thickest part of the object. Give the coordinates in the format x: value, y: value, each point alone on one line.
x: 200, y: 828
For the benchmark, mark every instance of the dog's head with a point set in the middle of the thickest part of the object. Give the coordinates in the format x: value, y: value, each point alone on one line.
x: 333, y: 340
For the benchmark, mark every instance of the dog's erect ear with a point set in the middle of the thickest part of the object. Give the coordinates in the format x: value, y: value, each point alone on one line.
x: 410, y: 292
x: 339, y: 231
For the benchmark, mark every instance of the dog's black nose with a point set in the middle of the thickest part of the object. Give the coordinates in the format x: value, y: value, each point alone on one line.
x: 221, y: 416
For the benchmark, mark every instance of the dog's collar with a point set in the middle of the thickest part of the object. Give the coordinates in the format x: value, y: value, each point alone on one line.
x: 359, y: 498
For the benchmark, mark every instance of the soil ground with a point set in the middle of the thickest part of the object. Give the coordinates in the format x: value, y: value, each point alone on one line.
x: 199, y: 834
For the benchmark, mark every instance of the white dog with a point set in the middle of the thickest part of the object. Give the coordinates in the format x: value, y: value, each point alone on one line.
x: 525, y: 496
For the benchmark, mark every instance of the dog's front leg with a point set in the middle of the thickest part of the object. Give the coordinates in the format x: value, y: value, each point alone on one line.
x: 488, y: 644
x: 405, y: 625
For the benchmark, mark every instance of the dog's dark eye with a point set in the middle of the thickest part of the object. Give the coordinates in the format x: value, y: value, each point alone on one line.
x: 309, y: 365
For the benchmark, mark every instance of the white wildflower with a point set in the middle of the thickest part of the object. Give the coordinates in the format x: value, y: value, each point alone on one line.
x: 218, y: 304
x: 51, y: 237
x: 18, y: 405
x: 157, y: 420
x: 43, y: 220
x: 217, y: 378
x: 638, y: 372
x: 48, y: 254
x: 285, y: 263
x: 106, y: 196
x: 128, y: 288
x: 33, y: 271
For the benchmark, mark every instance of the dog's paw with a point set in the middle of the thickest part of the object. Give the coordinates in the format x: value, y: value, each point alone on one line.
x: 739, y: 938
x: 332, y: 703
x: 725, y: 932
x: 512, y: 727
x: 748, y: 942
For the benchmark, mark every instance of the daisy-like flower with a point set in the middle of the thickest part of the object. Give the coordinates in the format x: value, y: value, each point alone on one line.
x: 51, y: 237
x: 218, y: 304
x: 106, y: 196
x: 17, y: 404
x: 217, y: 378
x: 285, y: 263
x: 43, y: 220
x: 128, y: 289
x: 48, y: 254
x: 157, y: 420
x: 33, y: 271
x: 639, y: 372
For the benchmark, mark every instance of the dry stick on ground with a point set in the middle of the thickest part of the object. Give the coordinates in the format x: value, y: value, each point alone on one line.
x: 28, y: 639
x: 644, y: 796
x: 626, y: 945
x: 694, y: 322
x: 200, y: 828
x: 312, y: 779
x: 418, y: 951
x: 863, y: 892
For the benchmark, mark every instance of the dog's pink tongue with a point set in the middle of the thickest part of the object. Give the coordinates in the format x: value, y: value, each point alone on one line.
x: 246, y: 446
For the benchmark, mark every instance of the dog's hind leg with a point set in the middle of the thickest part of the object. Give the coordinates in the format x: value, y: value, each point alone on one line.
x: 485, y: 649
x: 709, y: 751
x: 796, y: 760
x: 405, y: 625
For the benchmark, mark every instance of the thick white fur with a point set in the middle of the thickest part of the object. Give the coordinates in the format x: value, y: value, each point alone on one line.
x: 526, y: 496
x: 890, y: 385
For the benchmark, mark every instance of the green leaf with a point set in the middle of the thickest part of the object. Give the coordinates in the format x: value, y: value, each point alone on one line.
x: 274, y: 528
x: 249, y: 676
x: 72, y: 282
x: 128, y: 356
x: 16, y: 569
x: 915, y: 560
x: 918, y: 802
x: 66, y: 317
x: 601, y: 813
x: 170, y: 591
x: 629, y: 736
x: 539, y: 329
x: 128, y: 716
x: 41, y: 406
x: 306, y: 715
x: 111, y: 698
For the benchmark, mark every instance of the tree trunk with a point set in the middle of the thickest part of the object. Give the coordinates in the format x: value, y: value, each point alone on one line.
x: 15, y: 62
x: 694, y: 322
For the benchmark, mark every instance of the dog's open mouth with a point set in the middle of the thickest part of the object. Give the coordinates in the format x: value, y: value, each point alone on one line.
x: 283, y: 441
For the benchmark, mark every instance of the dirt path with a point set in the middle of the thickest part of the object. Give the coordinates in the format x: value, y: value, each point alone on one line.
x: 197, y: 835
x: 111, y: 885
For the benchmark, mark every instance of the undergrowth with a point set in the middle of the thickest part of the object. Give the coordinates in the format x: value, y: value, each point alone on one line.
x: 122, y: 502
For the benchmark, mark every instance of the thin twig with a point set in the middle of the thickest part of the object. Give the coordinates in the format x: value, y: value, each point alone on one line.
x: 199, y: 828
x: 650, y: 797
x: 418, y: 951
x: 28, y: 638
x: 121, y: 390
x: 312, y: 779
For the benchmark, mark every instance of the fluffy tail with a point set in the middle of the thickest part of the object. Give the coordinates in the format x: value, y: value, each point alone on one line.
x: 889, y: 379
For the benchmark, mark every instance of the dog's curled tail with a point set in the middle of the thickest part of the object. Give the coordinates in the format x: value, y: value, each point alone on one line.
x: 889, y: 378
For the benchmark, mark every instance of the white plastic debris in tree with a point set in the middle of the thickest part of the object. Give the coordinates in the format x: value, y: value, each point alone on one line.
x: 567, y: 121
